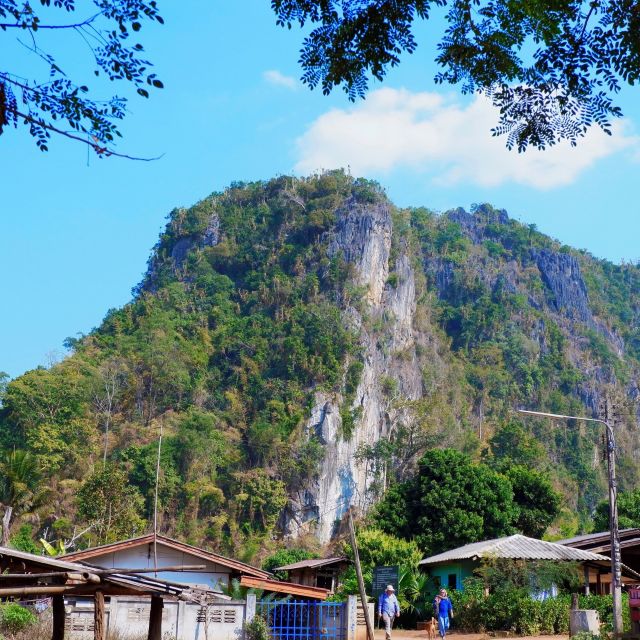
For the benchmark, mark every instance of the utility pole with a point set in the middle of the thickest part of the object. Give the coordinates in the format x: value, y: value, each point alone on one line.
x: 616, y: 577
x: 356, y: 560
x: 616, y: 559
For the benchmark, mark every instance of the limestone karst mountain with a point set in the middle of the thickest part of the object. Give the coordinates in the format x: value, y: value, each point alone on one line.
x: 303, y: 341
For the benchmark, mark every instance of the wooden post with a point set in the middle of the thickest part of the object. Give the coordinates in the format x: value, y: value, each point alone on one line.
x: 363, y: 595
x: 58, y: 618
x: 99, y: 626
x: 155, y: 618
x: 587, y: 589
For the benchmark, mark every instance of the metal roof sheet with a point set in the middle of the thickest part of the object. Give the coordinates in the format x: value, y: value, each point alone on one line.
x: 94, y: 552
x: 136, y: 582
x: 290, y: 588
x: 311, y: 563
x: 517, y: 547
x: 601, y: 536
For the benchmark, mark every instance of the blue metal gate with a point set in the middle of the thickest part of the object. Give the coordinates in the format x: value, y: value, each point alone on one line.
x: 304, y: 619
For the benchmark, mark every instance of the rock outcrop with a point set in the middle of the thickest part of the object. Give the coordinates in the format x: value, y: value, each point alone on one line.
x: 363, y: 237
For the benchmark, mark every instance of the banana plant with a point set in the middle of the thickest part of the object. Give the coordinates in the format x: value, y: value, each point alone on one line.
x: 58, y: 548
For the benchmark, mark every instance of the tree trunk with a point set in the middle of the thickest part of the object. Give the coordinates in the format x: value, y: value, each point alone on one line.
x: 58, y: 618
x: 6, y: 525
x: 155, y: 618
x: 99, y: 627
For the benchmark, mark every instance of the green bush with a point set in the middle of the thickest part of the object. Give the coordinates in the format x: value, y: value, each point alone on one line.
x: 514, y: 610
x: 257, y: 629
x: 585, y: 635
x: 14, y: 618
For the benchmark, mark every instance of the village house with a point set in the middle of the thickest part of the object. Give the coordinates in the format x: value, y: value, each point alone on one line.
x: 449, y: 569
x: 600, y: 582
x: 150, y: 551
x: 318, y: 572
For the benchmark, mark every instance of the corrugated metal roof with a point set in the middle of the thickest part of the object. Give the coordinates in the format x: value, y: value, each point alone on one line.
x: 517, y: 547
x: 601, y: 536
x: 136, y: 582
x: 94, y: 552
x: 311, y: 564
x: 290, y: 588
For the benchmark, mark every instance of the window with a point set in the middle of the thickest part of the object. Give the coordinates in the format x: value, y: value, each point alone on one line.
x: 452, y: 581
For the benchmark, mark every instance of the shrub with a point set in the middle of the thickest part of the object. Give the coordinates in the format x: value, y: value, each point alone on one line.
x: 257, y: 629
x: 14, y: 618
x: 513, y: 610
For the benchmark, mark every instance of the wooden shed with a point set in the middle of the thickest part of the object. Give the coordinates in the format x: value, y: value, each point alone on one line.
x: 25, y: 574
x: 318, y: 572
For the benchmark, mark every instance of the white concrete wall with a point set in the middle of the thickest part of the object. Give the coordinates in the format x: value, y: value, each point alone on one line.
x: 214, y: 576
x: 180, y: 620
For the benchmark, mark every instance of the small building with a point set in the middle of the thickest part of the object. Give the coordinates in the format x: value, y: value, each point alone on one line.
x: 600, y: 581
x: 143, y: 551
x: 318, y: 572
x: 449, y: 569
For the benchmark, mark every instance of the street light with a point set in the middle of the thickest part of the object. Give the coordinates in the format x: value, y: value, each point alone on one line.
x: 616, y: 578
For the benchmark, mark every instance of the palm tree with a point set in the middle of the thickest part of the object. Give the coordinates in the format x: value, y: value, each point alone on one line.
x: 21, y: 487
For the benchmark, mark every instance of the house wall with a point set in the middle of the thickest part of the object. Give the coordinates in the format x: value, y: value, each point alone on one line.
x: 214, y: 576
x: 129, y: 616
x: 461, y: 570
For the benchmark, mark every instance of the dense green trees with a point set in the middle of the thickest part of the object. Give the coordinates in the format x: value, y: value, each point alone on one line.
x: 110, y: 505
x: 628, y: 512
x: 555, y: 90
x: 452, y: 501
x: 22, y: 487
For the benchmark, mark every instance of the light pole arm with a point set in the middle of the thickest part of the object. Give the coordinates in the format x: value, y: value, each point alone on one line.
x: 563, y: 417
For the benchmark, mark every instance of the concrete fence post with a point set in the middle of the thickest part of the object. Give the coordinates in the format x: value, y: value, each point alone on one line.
x: 351, y: 619
x: 250, y: 608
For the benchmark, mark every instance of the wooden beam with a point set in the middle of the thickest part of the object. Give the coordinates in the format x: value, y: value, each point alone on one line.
x: 46, y: 590
x: 58, y: 618
x: 85, y: 576
x: 99, y: 624
x: 155, y: 619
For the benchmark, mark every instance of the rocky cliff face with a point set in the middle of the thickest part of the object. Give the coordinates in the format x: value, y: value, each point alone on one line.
x: 363, y: 237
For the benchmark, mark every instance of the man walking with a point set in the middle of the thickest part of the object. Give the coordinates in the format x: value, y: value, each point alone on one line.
x: 389, y: 609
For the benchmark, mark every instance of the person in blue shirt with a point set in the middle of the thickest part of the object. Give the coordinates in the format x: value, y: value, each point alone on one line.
x: 388, y: 609
x: 444, y: 609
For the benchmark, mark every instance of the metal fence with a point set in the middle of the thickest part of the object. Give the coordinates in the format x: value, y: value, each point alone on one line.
x: 304, y: 620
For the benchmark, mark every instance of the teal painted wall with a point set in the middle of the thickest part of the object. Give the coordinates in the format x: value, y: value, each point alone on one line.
x: 461, y: 570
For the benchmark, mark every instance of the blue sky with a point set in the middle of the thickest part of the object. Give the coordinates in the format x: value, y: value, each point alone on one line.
x: 76, y: 231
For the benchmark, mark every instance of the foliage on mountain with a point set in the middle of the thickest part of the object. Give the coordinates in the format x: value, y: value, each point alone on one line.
x: 53, y: 103
x: 22, y: 488
x: 582, y: 54
x: 628, y: 512
x: 246, y: 314
x: 113, y: 506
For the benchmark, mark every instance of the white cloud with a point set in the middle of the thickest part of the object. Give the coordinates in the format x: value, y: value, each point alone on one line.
x: 275, y: 77
x: 395, y: 129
